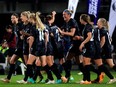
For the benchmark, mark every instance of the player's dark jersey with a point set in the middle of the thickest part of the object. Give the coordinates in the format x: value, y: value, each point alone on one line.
x: 39, y: 46
x: 33, y: 30
x: 56, y: 34
x: 104, y: 32
x: 17, y: 28
x: 97, y: 43
x: 57, y: 42
x: 77, y: 33
x: 19, y: 47
x: 89, y: 46
x: 88, y: 28
x: 50, y: 41
x: 67, y: 28
x: 39, y: 35
x: 106, y: 49
x: 96, y: 35
x: 27, y: 29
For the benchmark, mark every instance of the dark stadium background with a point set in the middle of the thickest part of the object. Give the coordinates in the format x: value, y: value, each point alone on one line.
x: 46, y: 6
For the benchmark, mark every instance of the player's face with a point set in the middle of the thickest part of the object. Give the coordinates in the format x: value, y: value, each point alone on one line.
x: 66, y: 16
x: 99, y: 24
x: 14, y: 19
x: 31, y: 20
x: 23, y: 18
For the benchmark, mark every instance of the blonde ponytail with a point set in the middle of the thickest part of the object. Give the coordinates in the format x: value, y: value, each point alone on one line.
x: 104, y: 23
x: 39, y: 23
x: 26, y: 13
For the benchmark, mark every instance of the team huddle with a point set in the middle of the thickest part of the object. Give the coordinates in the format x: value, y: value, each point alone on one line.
x: 39, y: 42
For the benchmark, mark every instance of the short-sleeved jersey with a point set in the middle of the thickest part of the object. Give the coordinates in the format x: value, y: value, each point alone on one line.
x: 77, y: 33
x: 67, y: 28
x: 51, y: 40
x: 97, y: 45
x: 38, y: 47
x: 56, y: 34
x: 17, y: 28
x: 104, y: 32
x: 96, y: 35
x: 49, y: 30
x: 33, y: 30
x: 26, y: 28
x: 88, y: 28
x: 40, y: 35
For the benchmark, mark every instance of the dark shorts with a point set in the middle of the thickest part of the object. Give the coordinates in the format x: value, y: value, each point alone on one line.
x: 67, y: 47
x: 106, y: 53
x: 75, y: 50
x: 89, y: 50
x: 10, y: 52
x: 49, y: 50
x: 38, y: 50
x: 59, y: 50
x: 25, y: 49
x: 19, y: 52
x: 98, y: 51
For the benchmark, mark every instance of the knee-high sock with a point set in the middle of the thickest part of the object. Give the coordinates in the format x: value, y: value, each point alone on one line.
x: 55, y: 70
x: 37, y: 72
x: 48, y: 71
x: 67, y: 68
x: 26, y: 76
x: 12, y: 68
x: 30, y: 70
x: 92, y: 68
x: 87, y: 72
x: 80, y: 67
x: 114, y: 67
x: 84, y: 74
x: 104, y: 69
x: 60, y: 68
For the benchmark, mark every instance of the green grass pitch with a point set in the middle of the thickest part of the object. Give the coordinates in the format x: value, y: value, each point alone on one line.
x: 70, y: 84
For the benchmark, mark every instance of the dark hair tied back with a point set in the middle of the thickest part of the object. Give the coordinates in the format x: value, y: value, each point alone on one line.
x: 70, y: 12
